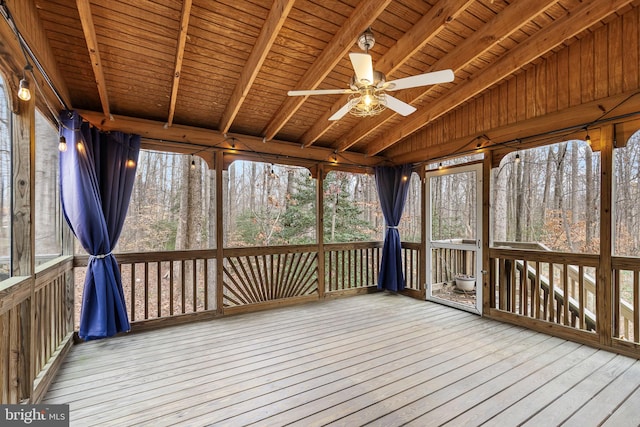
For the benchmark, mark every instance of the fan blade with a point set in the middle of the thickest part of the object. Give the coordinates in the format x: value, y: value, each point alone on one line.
x: 319, y: 92
x: 341, y: 112
x: 398, y: 106
x: 363, y: 66
x: 444, y: 76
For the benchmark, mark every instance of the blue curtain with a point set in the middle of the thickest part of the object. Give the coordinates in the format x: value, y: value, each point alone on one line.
x: 393, y: 184
x: 97, y: 172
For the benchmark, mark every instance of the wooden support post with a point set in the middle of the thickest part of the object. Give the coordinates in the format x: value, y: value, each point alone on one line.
x: 604, y: 303
x: 485, y: 281
x: 423, y: 233
x: 23, y: 236
x: 320, y: 229
x: 219, y: 161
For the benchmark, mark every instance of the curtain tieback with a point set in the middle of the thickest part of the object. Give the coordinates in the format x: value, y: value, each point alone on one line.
x: 392, y: 226
x: 100, y: 256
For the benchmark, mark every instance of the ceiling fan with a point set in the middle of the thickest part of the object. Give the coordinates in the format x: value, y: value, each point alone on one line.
x: 368, y: 88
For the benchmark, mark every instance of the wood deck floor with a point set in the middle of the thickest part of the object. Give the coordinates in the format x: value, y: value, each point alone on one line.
x: 379, y: 359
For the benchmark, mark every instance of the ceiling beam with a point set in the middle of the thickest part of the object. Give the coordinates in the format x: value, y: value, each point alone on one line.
x: 501, y: 26
x: 584, y: 16
x: 177, y: 70
x: 274, y: 22
x: 362, y: 17
x: 434, y: 21
x: 193, y: 140
x: 86, y: 19
x: 537, y: 128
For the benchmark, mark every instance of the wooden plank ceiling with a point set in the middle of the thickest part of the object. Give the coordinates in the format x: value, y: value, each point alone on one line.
x: 225, y: 66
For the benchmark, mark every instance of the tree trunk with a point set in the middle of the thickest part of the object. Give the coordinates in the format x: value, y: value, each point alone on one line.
x: 547, y: 185
x: 289, y: 193
x: 232, y: 199
x: 183, y: 225
x: 519, y: 198
x: 590, y: 208
x: 574, y: 183
x: 499, y: 218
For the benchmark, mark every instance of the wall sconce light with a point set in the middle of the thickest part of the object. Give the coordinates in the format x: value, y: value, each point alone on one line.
x: 131, y: 163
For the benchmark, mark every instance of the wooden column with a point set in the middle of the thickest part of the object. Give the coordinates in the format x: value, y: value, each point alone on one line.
x: 23, y: 235
x: 423, y: 232
x: 68, y: 240
x: 485, y: 278
x: 604, y: 303
x: 219, y: 161
x: 320, y: 228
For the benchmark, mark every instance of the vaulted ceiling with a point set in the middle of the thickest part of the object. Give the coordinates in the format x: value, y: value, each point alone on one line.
x: 195, y: 71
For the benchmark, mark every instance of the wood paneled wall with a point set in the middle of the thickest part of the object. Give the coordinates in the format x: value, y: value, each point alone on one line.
x: 599, y: 69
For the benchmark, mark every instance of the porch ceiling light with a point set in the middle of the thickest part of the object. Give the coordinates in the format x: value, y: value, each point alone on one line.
x: 23, y: 92
x: 62, y: 145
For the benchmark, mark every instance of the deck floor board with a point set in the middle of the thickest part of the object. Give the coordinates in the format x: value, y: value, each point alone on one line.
x: 378, y: 359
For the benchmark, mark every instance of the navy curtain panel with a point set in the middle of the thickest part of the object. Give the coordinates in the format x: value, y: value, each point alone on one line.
x: 393, y: 185
x: 97, y: 172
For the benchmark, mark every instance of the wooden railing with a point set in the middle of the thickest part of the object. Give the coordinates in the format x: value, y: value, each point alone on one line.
x: 162, y: 285
x: 259, y: 275
x: 36, y: 327
x: 446, y: 263
x: 351, y: 265
x: 626, y: 298
x: 411, y: 260
x: 540, y: 284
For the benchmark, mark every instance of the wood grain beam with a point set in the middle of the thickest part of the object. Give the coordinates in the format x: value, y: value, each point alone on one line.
x: 584, y: 16
x: 501, y: 26
x: 363, y: 15
x: 177, y: 70
x: 189, y: 139
x: 572, y: 117
x: 277, y: 15
x: 84, y: 9
x: 434, y: 21
x: 25, y: 15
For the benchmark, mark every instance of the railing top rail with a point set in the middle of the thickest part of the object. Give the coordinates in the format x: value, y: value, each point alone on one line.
x: 522, y: 245
x: 587, y: 260
x: 352, y: 245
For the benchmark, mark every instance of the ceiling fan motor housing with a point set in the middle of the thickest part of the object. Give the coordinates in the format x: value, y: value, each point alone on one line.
x: 378, y: 81
x: 366, y: 40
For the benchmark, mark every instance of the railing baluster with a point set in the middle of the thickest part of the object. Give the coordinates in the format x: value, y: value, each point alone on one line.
x: 636, y: 305
x: 171, y: 284
x: 183, y: 276
x: 159, y: 289
x: 132, y: 273
x: 581, y: 296
x: 146, y: 289
x: 565, y: 291
x: 206, y: 284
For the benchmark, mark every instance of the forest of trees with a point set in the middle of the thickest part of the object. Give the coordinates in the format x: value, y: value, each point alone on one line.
x: 173, y: 206
x: 549, y: 195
